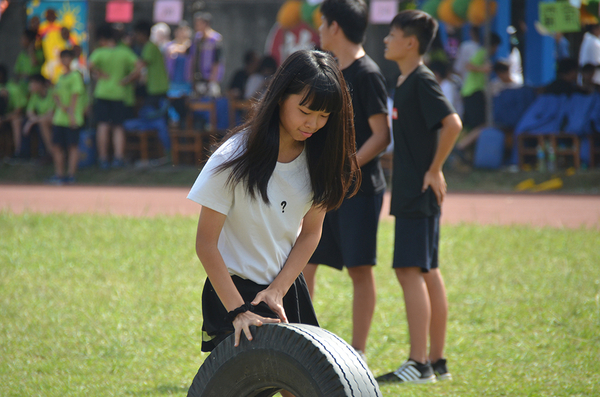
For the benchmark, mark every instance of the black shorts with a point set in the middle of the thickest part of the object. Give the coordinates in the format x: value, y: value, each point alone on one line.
x: 350, y: 233
x: 474, y: 114
x: 65, y: 137
x: 416, y: 242
x: 215, y: 328
x: 112, y: 112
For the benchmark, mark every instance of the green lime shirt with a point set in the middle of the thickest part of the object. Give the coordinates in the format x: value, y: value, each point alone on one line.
x: 17, y: 99
x: 158, y: 81
x: 475, y: 81
x: 23, y: 65
x: 68, y: 85
x: 129, y: 88
x: 41, y: 105
x: 116, y: 62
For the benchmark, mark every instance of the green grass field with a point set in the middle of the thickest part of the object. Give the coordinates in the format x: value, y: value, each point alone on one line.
x: 110, y: 306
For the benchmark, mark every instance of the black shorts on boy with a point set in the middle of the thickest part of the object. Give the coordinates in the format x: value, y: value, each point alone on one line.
x: 474, y: 110
x: 65, y: 137
x: 416, y: 242
x: 350, y: 233
x: 112, y: 112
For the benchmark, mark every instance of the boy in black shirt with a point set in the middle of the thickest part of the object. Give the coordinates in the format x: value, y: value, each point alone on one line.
x: 350, y: 233
x: 421, y: 113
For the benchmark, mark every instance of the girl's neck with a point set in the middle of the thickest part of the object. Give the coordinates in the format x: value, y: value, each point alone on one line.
x: 289, y: 148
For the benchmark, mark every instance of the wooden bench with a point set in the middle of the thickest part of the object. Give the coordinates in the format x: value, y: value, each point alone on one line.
x: 189, y: 141
x: 565, y: 146
x: 143, y: 145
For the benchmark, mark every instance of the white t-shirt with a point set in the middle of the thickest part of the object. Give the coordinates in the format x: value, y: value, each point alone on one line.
x: 451, y: 91
x: 465, y: 52
x: 589, y: 52
x: 257, y: 238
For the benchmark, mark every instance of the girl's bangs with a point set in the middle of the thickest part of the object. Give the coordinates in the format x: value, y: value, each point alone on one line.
x: 322, y: 95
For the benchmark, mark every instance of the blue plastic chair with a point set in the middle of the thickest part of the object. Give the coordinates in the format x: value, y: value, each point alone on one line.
x: 489, y: 149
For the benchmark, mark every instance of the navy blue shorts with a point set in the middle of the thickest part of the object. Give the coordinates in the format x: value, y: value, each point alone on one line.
x: 65, y: 137
x: 350, y: 233
x: 416, y: 242
x: 112, y: 112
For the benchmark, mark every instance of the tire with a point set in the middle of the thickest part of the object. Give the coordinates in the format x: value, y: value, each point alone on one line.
x: 305, y: 360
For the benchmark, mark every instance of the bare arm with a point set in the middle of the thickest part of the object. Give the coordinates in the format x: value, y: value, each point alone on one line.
x: 377, y: 142
x: 71, y: 111
x: 135, y: 74
x: 210, y: 225
x: 96, y: 72
x: 434, y: 177
x: 485, y: 68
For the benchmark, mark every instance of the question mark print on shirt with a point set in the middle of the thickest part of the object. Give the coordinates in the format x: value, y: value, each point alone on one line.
x: 283, y: 204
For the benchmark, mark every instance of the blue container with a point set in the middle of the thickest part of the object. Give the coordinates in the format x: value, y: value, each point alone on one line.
x: 489, y: 149
x: 87, y: 148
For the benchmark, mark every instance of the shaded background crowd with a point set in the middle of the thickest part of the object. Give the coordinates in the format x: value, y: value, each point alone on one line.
x: 131, y: 90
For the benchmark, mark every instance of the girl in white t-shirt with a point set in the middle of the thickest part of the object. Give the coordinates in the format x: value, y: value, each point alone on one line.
x: 264, y: 194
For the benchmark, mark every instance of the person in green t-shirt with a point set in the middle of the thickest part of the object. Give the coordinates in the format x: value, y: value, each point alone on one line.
x: 14, y: 101
x: 30, y: 59
x: 67, y: 121
x: 114, y: 68
x: 473, y: 93
x: 157, y: 82
x: 40, y: 110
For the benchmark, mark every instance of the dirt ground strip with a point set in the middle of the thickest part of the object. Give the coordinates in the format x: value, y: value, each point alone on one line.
x: 503, y: 209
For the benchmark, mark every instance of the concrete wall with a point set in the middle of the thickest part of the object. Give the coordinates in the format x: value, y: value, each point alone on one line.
x: 12, y: 24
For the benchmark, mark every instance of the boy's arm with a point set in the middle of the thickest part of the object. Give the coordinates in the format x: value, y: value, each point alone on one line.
x: 479, y: 63
x: 71, y: 110
x: 96, y: 72
x: 135, y: 74
x: 377, y: 142
x: 434, y: 177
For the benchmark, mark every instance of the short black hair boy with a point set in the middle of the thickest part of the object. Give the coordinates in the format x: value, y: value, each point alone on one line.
x: 419, y: 24
x: 351, y: 16
x: 143, y: 27
x: 425, y: 127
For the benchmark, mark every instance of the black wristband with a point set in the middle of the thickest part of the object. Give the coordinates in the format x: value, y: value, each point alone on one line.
x: 246, y: 307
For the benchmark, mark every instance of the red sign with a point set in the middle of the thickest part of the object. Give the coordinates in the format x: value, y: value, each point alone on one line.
x: 119, y: 11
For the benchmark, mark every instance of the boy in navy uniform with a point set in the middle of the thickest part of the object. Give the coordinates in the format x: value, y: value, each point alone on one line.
x: 350, y: 233
x: 425, y: 128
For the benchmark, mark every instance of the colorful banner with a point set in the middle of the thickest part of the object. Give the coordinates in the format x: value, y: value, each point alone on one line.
x: 62, y: 25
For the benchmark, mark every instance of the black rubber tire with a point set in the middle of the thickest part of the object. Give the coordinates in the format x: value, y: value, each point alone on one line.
x: 305, y: 360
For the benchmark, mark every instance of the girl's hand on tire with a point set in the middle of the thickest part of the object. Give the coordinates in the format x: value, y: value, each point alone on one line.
x: 274, y: 299
x: 243, y: 321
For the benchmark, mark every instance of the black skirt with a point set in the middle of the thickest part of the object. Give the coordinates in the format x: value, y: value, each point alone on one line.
x: 215, y: 328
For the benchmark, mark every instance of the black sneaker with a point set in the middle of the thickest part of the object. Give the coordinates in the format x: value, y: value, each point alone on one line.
x: 441, y: 370
x: 410, y: 372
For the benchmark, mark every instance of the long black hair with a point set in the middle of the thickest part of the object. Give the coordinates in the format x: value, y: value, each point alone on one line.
x: 331, y: 152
